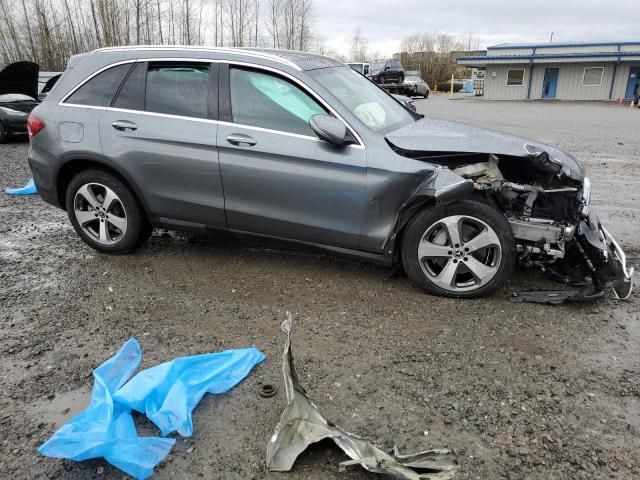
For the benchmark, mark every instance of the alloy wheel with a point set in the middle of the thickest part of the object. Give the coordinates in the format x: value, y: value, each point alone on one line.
x: 460, y: 253
x: 100, y: 213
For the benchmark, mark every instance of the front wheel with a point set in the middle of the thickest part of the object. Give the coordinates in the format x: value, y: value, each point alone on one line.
x: 105, y: 213
x: 465, y: 249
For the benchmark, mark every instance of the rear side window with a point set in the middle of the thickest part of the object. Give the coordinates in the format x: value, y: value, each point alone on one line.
x: 100, y: 90
x: 178, y: 89
x: 269, y: 101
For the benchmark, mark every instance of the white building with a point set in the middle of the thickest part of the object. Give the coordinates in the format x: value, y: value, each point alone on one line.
x: 561, y: 71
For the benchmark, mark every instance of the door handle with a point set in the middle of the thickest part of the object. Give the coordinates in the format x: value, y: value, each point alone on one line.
x: 124, y: 125
x: 239, y: 139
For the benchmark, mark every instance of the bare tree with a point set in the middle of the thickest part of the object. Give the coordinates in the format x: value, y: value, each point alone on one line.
x: 359, y: 47
x: 50, y: 31
x: 434, y: 53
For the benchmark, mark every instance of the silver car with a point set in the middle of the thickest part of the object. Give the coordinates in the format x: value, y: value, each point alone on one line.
x: 418, y: 86
x: 300, y: 147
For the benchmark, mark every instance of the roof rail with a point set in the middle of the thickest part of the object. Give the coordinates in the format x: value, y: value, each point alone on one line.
x: 228, y: 50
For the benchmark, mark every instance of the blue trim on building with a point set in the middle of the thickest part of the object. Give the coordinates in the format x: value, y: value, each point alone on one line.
x: 551, y: 56
x: 524, y: 46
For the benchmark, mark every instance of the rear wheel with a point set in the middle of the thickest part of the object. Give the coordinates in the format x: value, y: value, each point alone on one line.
x: 3, y: 133
x: 464, y: 250
x: 105, y: 213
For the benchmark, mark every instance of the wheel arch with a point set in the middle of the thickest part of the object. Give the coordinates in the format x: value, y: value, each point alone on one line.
x: 76, y: 163
x: 442, y: 187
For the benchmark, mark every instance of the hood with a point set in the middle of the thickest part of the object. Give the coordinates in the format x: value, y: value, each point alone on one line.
x: 20, y: 77
x: 430, y: 135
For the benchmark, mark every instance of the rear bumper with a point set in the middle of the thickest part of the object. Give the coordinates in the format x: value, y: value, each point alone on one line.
x: 45, y: 181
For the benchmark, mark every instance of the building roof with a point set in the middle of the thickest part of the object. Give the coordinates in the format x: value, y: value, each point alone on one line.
x: 556, y: 52
x: 509, y: 46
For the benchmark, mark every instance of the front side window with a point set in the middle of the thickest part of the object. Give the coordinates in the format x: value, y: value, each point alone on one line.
x: 177, y: 89
x: 364, y: 99
x: 100, y: 90
x: 593, y: 76
x: 515, y: 78
x: 263, y: 100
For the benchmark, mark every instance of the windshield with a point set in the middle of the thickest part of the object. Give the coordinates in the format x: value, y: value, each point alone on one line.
x: 411, y: 78
x: 15, y: 97
x: 372, y: 105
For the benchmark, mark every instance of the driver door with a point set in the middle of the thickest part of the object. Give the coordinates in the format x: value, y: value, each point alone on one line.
x: 279, y: 179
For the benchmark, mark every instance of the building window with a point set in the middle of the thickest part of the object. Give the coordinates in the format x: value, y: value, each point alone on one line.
x: 592, y: 77
x: 515, y: 78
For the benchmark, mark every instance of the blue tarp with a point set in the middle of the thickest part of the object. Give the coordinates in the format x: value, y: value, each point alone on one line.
x: 106, y: 429
x: 169, y: 392
x: 28, y: 189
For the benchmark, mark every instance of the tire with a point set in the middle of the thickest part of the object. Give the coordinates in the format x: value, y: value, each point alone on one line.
x: 3, y: 134
x: 476, y: 271
x: 426, y: 94
x: 119, y: 227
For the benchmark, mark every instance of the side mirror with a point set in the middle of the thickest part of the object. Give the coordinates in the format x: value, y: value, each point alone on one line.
x: 387, y: 68
x: 329, y: 129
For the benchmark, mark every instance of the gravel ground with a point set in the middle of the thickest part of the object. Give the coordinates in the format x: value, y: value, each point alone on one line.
x: 520, y: 391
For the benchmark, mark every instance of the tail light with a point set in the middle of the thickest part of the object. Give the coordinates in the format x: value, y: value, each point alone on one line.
x: 34, y: 125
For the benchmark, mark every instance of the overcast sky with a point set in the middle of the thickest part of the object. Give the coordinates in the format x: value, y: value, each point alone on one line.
x: 385, y: 22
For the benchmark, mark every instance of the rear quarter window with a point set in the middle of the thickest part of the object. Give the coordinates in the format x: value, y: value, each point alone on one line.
x: 100, y: 89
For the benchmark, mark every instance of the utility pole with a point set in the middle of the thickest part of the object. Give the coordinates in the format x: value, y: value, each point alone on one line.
x: 551, y: 39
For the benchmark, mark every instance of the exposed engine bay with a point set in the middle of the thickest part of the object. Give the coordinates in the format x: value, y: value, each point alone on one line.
x: 548, y: 209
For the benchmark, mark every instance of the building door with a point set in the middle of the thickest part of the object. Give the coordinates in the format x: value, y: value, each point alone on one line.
x: 634, y: 80
x: 550, y: 82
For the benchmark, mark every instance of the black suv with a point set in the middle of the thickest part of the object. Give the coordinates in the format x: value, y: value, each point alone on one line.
x: 387, y: 71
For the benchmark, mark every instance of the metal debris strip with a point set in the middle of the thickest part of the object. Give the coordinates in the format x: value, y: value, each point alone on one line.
x: 302, y: 424
x: 554, y: 297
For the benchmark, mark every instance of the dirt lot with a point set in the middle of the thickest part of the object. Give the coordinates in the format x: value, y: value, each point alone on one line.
x: 520, y: 391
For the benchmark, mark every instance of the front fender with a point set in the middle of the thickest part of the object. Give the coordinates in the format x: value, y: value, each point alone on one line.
x: 441, y: 187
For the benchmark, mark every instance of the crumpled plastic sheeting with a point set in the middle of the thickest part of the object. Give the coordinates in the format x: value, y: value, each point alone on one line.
x: 106, y: 429
x: 28, y: 189
x: 168, y: 393
x: 302, y: 424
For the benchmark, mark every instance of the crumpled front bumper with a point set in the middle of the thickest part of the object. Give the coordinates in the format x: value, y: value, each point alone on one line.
x: 623, y: 283
x: 610, y: 268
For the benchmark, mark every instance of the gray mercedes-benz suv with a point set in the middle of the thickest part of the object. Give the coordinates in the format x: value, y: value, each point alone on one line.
x: 301, y: 147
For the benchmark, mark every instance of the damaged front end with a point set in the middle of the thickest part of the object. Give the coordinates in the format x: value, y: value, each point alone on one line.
x: 546, y: 198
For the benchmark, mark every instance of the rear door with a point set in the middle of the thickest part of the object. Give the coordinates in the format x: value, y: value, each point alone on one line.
x: 279, y: 178
x: 161, y: 129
